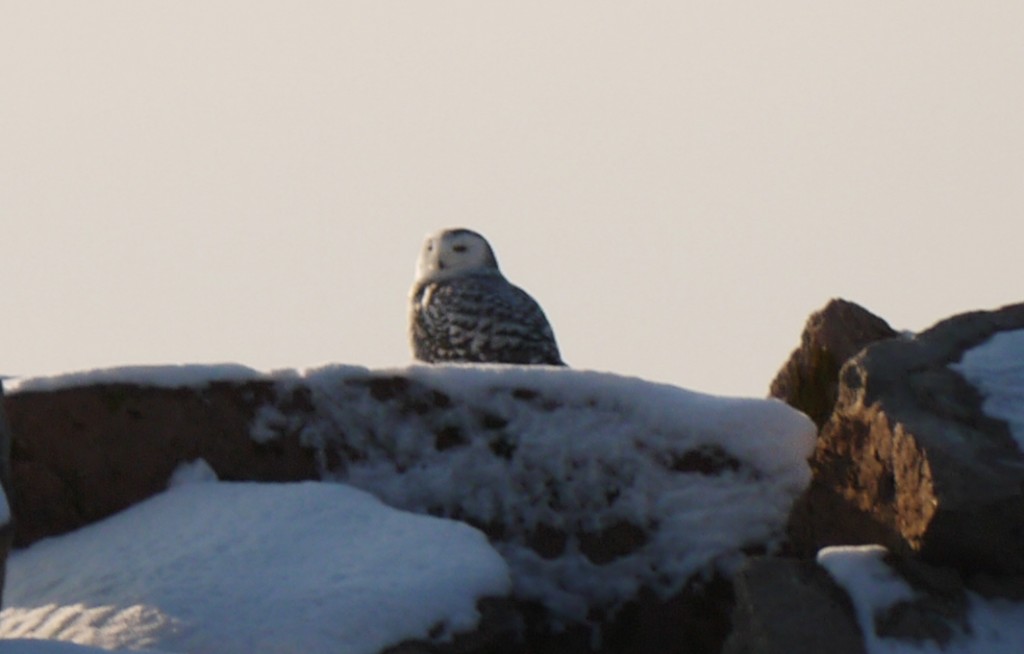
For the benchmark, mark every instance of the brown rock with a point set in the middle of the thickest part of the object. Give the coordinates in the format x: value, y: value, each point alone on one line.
x: 909, y: 460
x: 809, y: 379
x: 81, y: 454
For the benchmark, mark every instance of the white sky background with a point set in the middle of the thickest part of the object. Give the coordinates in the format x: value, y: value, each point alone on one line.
x: 678, y: 183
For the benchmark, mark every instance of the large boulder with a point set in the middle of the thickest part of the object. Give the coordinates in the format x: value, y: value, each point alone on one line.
x: 611, y: 498
x: 82, y: 453
x: 809, y: 380
x: 910, y: 458
x: 791, y: 606
x: 623, y: 508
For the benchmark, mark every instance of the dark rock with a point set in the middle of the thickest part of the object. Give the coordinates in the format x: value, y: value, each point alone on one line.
x: 1003, y: 587
x: 6, y: 529
x: 697, y: 620
x: 500, y: 631
x: 709, y: 460
x: 547, y: 541
x: 909, y: 460
x: 81, y: 454
x: 5, y: 444
x: 808, y: 381
x: 448, y: 437
x: 788, y: 606
x: 937, y: 613
x: 613, y: 542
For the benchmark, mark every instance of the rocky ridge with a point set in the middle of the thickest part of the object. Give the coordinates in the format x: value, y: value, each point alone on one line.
x: 906, y: 457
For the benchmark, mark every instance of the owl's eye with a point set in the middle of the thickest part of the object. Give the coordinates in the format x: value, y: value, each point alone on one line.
x: 459, y: 248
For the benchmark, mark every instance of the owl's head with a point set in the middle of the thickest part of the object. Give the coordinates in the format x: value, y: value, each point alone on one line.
x: 452, y: 252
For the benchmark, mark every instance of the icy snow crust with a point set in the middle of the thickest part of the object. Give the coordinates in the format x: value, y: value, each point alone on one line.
x: 164, y: 376
x: 550, y: 450
x: 218, y: 568
x: 996, y: 369
x: 996, y: 626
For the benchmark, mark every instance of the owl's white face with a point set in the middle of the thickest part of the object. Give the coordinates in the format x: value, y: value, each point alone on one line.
x: 454, y: 251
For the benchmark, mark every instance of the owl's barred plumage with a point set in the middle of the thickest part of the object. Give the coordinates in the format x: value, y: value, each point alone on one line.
x: 464, y: 310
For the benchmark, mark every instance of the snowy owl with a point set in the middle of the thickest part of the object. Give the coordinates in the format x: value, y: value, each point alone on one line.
x: 463, y: 308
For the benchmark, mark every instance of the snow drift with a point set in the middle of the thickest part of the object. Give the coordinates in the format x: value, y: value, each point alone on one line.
x: 225, y: 568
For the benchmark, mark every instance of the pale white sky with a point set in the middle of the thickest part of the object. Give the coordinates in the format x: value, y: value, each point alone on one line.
x: 678, y: 183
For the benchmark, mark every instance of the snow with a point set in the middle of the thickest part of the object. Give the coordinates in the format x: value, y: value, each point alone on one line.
x: 873, y: 587
x: 245, y: 567
x: 574, y: 452
x: 996, y: 369
x: 37, y: 646
x: 164, y: 376
x: 995, y: 626
x: 210, y: 566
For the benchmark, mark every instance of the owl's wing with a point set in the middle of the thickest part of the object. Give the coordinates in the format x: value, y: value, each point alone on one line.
x: 483, y: 319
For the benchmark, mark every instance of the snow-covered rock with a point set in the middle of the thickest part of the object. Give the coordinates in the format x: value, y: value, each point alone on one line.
x: 592, y: 486
x: 599, y: 491
x: 217, y: 568
x: 898, y: 616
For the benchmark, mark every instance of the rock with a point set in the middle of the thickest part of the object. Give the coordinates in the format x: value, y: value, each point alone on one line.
x: 595, y: 489
x: 909, y: 460
x: 809, y: 380
x: 500, y: 631
x: 938, y: 612
x: 619, y: 505
x: 904, y: 604
x: 81, y: 454
x: 5, y: 443
x: 6, y: 526
x: 695, y: 621
x: 789, y: 606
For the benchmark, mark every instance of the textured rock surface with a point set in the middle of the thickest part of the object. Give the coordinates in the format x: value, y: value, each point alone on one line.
x: 789, y: 606
x: 81, y: 454
x: 6, y: 528
x: 909, y: 460
x: 595, y: 488
x: 809, y: 380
